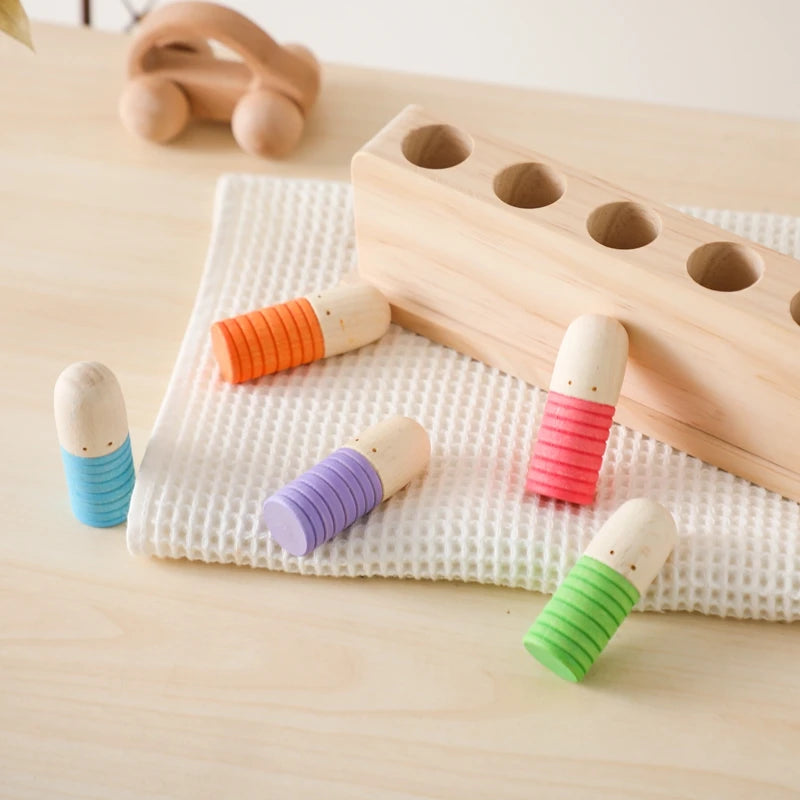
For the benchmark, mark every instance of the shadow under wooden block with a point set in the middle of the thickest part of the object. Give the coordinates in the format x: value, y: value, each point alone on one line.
x: 494, y: 249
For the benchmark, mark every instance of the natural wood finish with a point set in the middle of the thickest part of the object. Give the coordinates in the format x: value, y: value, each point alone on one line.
x: 89, y: 410
x: 461, y: 266
x: 591, y: 360
x: 398, y: 448
x: 350, y: 316
x: 174, y: 74
x: 635, y: 541
x: 154, y: 108
x: 267, y: 124
x: 136, y: 679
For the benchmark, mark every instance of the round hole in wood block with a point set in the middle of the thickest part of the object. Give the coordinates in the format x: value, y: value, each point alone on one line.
x: 725, y: 266
x: 529, y: 185
x: 624, y: 225
x: 794, y: 308
x: 437, y: 146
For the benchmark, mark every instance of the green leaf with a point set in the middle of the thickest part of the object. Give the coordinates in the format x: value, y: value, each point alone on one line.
x: 14, y: 21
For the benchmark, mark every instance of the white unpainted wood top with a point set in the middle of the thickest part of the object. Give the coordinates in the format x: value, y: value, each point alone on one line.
x: 350, y: 316
x: 398, y: 448
x: 130, y: 678
x: 89, y: 410
x: 591, y: 360
x: 636, y: 541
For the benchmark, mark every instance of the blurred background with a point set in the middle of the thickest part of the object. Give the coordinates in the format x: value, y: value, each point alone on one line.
x: 740, y: 56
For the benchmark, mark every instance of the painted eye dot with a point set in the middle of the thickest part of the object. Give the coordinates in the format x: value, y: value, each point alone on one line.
x: 569, y: 383
x: 110, y: 443
x: 633, y: 567
x: 611, y: 552
x: 84, y: 449
x: 594, y: 388
x: 374, y: 449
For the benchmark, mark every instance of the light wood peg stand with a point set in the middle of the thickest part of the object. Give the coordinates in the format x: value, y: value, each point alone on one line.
x: 494, y: 249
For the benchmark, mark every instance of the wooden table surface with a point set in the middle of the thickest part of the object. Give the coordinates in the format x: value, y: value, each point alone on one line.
x: 130, y: 678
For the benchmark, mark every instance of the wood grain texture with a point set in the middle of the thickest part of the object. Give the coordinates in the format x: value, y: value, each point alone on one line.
x: 350, y: 316
x: 635, y: 541
x: 591, y: 360
x: 89, y: 410
x: 712, y: 371
x: 138, y: 679
x: 398, y: 448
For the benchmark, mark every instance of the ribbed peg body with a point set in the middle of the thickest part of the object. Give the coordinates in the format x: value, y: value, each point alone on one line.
x: 299, y: 331
x: 587, y: 378
x: 92, y: 427
x: 584, y: 613
x: 622, y: 560
x: 267, y: 340
x: 347, y: 484
x: 569, y: 448
x: 100, y: 488
x: 323, y: 501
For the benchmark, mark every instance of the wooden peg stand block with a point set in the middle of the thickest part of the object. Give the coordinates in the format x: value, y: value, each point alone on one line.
x: 494, y: 249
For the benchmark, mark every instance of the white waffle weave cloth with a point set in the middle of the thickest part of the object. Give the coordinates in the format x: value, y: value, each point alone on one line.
x: 218, y: 451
